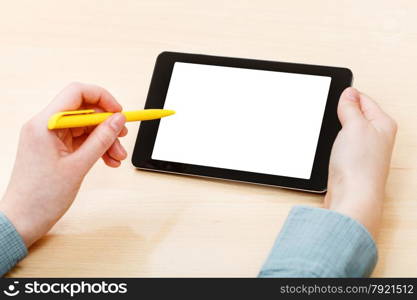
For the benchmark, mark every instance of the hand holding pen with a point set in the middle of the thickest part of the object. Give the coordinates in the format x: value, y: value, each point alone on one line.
x: 59, y: 159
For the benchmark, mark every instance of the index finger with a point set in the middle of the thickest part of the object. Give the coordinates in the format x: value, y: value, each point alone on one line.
x: 76, y: 94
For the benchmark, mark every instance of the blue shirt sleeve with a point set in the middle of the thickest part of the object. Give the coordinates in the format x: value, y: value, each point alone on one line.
x: 316, y: 242
x: 12, y: 247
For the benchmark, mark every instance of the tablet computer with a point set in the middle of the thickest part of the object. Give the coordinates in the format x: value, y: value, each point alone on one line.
x: 255, y: 121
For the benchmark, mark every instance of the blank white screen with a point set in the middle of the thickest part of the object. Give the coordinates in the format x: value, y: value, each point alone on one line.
x: 241, y: 119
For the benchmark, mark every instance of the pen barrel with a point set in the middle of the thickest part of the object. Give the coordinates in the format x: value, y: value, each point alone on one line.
x: 144, y: 115
x: 81, y: 120
x: 89, y: 118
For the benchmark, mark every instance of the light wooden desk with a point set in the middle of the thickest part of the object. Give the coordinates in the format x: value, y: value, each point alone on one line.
x: 131, y: 223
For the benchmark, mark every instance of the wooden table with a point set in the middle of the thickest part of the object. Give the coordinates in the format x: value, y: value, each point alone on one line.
x: 134, y: 223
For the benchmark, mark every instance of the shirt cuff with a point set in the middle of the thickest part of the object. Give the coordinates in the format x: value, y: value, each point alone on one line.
x: 316, y: 242
x: 12, y: 247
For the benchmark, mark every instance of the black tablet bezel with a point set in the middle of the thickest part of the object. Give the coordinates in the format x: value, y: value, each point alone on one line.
x: 142, y: 155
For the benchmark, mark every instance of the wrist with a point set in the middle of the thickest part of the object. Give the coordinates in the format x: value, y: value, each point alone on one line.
x: 357, y: 199
x: 27, y: 229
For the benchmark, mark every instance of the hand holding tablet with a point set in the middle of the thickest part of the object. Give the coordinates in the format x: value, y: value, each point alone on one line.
x: 246, y: 120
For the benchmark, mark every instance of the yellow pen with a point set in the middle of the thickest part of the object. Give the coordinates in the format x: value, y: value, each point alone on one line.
x: 88, y: 117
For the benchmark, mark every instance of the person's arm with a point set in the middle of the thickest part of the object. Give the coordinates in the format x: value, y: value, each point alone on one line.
x: 337, y: 241
x: 50, y: 167
x: 12, y: 247
x: 317, y: 242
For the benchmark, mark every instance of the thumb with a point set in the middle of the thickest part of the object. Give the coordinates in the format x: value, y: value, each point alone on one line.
x: 100, y: 140
x: 349, y: 106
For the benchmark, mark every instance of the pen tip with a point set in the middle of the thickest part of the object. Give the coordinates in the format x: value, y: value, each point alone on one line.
x: 169, y: 112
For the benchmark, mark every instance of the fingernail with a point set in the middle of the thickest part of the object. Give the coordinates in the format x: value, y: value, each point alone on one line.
x: 121, y: 149
x: 117, y: 122
x: 124, y: 153
x: 352, y: 94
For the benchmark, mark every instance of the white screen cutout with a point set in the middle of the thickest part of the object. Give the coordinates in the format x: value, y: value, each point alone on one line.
x: 242, y: 119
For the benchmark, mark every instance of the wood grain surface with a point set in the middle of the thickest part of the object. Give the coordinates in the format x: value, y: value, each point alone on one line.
x: 134, y: 223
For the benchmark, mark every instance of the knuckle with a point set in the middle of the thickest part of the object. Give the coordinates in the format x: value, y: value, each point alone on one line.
x: 74, y: 85
x: 392, y: 125
x: 31, y: 130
